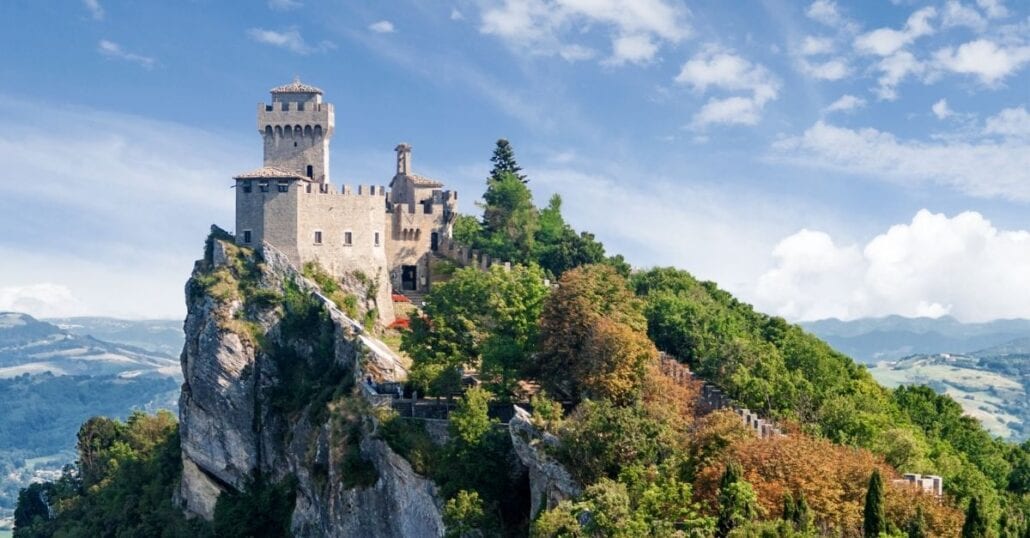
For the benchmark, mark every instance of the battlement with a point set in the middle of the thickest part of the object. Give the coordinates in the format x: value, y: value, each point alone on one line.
x: 295, y: 106
x: 345, y: 190
x: 285, y: 118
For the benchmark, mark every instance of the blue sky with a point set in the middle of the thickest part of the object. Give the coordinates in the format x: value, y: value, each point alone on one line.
x: 819, y: 159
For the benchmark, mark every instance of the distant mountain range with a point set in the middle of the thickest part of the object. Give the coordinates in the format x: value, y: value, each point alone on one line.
x: 55, y: 376
x: 871, y: 340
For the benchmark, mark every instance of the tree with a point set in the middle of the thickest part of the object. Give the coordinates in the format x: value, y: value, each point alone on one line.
x: 576, y: 346
x: 789, y: 508
x: 802, y: 515
x: 917, y: 525
x: 976, y: 525
x: 487, y: 320
x: 875, y: 518
x: 504, y: 162
x: 510, y: 219
x: 463, y: 515
x: 737, y: 501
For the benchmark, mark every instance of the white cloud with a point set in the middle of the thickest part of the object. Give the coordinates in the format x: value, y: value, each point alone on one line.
x: 95, y: 9
x: 827, y: 12
x: 456, y: 15
x: 995, y: 9
x: 894, y: 69
x: 547, y: 27
x: 812, y: 45
x: 289, y: 39
x: 958, y: 14
x: 982, y: 168
x: 575, y: 53
x: 846, y: 103
x: 637, y: 49
x: 941, y: 109
x: 382, y: 27
x: 984, y: 59
x: 284, y: 5
x: 935, y: 265
x: 1011, y: 123
x: 40, y: 300
x: 715, y: 68
x: 887, y: 41
x: 834, y: 69
x: 111, y: 49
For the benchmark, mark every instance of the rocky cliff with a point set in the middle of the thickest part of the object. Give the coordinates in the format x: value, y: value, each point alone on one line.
x: 272, y: 388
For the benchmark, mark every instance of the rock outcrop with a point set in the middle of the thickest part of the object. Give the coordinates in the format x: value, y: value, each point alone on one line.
x: 231, y: 431
x: 549, y: 481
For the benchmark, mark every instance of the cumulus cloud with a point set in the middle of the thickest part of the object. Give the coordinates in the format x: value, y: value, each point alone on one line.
x: 813, y: 45
x: 382, y: 27
x: 834, y: 69
x: 957, y: 14
x: 846, y: 103
x: 827, y: 12
x: 941, y: 109
x: 893, y: 70
x: 289, y: 39
x: 95, y: 9
x: 718, y: 69
x: 983, y: 59
x: 547, y: 27
x: 110, y: 49
x: 961, y: 266
x: 982, y: 168
x: 1009, y: 123
x: 994, y: 8
x: 40, y: 300
x: 887, y: 41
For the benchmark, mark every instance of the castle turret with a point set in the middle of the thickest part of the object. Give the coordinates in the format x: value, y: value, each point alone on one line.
x: 296, y: 128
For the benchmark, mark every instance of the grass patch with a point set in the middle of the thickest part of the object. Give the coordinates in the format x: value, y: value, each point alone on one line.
x: 332, y: 289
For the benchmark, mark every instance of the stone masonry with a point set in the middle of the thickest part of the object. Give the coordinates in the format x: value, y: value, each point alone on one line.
x: 388, y: 235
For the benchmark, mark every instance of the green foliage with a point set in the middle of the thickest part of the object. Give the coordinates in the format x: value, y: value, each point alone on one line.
x: 510, y: 220
x: 133, y: 470
x: 485, y: 320
x: 262, y: 508
x: 547, y: 413
x: 738, y: 503
x: 600, y: 439
x: 874, y: 520
x: 463, y: 515
x: 303, y: 354
x: 916, y: 528
x: 467, y: 230
x: 346, y: 302
x: 976, y: 524
x: 770, y: 365
x: 504, y: 161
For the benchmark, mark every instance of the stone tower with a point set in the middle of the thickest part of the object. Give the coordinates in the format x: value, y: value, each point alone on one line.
x: 296, y: 128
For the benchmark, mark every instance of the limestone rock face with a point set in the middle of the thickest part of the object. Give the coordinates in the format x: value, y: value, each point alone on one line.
x: 549, y: 481
x: 229, y: 431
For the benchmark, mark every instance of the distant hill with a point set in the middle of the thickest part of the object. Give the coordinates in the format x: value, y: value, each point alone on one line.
x: 163, y: 336
x: 870, y: 340
x: 52, y: 379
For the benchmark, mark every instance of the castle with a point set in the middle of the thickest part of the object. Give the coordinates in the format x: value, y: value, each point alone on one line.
x: 290, y: 203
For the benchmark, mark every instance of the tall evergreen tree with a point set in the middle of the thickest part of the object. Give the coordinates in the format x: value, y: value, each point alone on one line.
x: 738, y: 503
x: 504, y: 161
x: 802, y: 515
x: 789, y: 508
x: 917, y: 525
x: 875, y: 521
x: 976, y: 521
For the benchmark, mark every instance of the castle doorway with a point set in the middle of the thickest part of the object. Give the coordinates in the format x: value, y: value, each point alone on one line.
x: 434, y: 240
x: 409, y: 277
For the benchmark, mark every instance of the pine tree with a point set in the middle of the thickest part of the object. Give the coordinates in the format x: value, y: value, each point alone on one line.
x: 504, y: 161
x: 976, y: 521
x: 875, y: 521
x: 917, y: 525
x: 738, y: 503
x: 789, y: 508
x: 802, y: 515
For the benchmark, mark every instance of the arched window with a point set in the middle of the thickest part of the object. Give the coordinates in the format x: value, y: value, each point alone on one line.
x: 268, y: 130
x: 307, y: 130
x: 279, y: 131
x: 318, y: 130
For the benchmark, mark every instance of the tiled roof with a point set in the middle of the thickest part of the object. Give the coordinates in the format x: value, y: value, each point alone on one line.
x: 296, y: 87
x: 270, y: 172
x: 422, y: 181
